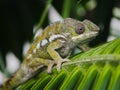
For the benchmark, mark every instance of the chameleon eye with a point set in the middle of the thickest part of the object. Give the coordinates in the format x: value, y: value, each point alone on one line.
x: 79, y: 28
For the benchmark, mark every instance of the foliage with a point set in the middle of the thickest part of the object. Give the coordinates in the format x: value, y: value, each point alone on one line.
x: 83, y: 74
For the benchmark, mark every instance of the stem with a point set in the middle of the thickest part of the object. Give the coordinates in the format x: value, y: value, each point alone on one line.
x: 66, y: 8
x: 43, y: 14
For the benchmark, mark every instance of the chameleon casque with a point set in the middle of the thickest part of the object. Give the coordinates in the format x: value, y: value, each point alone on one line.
x: 52, y: 48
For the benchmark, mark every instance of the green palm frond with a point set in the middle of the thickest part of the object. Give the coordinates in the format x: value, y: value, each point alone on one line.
x: 84, y: 72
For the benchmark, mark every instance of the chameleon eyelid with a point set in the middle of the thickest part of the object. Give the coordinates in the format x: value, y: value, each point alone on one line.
x: 79, y: 28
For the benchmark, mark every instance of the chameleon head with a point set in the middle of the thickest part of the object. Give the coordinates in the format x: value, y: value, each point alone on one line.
x: 81, y: 32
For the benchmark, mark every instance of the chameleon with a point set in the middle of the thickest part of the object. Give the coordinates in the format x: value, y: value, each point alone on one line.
x: 52, y: 48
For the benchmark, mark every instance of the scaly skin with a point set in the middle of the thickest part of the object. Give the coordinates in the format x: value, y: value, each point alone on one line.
x: 53, y: 47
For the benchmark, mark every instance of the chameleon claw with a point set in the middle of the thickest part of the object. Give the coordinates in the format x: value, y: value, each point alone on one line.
x: 50, y: 65
x: 59, y: 63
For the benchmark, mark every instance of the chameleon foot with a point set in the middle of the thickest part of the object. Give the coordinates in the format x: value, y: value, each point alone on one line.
x: 50, y: 65
x: 59, y: 63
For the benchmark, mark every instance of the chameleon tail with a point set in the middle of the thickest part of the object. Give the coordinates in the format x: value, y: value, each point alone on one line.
x: 7, y: 84
x: 13, y: 81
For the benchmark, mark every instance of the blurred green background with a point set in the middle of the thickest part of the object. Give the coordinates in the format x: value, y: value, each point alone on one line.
x: 19, y: 19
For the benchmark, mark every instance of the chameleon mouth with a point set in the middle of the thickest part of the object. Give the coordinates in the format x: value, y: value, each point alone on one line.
x: 86, y: 37
x: 97, y: 29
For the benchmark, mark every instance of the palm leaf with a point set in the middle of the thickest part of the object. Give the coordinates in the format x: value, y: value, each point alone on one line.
x: 83, y: 72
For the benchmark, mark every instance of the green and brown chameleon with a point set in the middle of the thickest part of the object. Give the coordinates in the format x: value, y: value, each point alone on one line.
x: 53, y: 47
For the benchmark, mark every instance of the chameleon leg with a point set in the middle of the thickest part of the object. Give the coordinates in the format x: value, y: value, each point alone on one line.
x: 84, y: 47
x: 55, y: 55
x: 37, y: 63
x: 27, y: 70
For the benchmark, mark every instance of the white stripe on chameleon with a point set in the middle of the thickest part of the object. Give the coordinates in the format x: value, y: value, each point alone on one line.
x: 29, y: 56
x: 38, y: 45
x: 53, y: 37
x: 44, y: 42
x: 83, y: 36
x: 34, y: 51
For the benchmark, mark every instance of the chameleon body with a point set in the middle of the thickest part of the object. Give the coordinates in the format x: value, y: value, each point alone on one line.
x: 53, y: 47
